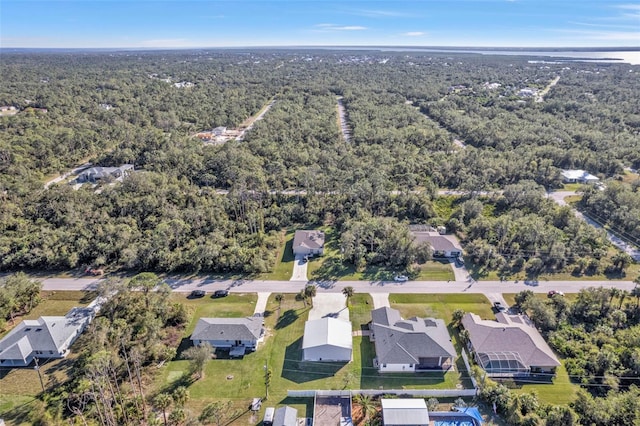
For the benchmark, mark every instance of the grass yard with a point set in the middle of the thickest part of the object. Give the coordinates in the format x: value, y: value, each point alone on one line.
x: 562, y: 391
x: 440, y: 305
x: 283, y: 268
x: 360, y: 306
x: 330, y: 266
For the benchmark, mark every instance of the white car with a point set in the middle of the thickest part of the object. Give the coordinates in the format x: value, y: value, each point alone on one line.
x: 401, y: 278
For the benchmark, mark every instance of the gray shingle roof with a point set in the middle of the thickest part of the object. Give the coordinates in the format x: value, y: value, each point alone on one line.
x: 44, y: 334
x: 309, y: 239
x: 400, y: 341
x: 511, y: 333
x: 249, y: 328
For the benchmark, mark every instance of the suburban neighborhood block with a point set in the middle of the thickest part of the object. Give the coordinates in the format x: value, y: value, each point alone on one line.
x: 327, y: 339
x: 238, y: 335
x: 410, y: 345
x: 308, y: 243
x: 509, y: 347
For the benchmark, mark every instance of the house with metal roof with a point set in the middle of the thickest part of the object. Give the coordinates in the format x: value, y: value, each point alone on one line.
x: 44, y: 338
x: 404, y: 412
x: 238, y: 335
x: 327, y: 339
x: 410, y: 345
x: 285, y: 416
x: 578, y: 176
x: 509, y: 347
x: 308, y: 243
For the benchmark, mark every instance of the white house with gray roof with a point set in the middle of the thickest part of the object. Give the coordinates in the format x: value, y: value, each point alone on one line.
x: 308, y: 243
x: 44, y: 338
x: 410, y: 345
x: 239, y: 335
x: 327, y: 339
x: 441, y: 245
x: 509, y: 347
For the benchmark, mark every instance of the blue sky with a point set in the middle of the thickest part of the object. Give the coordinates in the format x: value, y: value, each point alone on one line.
x: 211, y: 23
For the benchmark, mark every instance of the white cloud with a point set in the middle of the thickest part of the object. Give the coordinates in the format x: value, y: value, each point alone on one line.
x: 334, y: 27
x: 414, y: 34
x: 614, y: 36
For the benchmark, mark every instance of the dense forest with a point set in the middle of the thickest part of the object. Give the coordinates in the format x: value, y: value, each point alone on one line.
x: 220, y: 207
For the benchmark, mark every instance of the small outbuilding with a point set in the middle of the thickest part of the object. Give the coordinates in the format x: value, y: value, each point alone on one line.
x: 285, y: 416
x: 327, y: 339
x: 404, y: 412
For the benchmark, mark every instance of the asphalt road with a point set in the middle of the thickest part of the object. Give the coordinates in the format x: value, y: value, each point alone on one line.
x: 186, y: 285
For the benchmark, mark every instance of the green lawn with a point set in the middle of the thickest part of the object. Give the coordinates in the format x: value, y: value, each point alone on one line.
x: 562, y: 391
x: 283, y: 268
x: 360, y: 307
x: 440, y: 305
x: 331, y: 267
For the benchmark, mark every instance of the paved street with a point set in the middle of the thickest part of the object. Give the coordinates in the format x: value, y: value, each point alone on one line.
x: 186, y: 285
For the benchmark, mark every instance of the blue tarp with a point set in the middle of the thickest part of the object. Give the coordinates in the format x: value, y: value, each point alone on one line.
x: 471, y: 411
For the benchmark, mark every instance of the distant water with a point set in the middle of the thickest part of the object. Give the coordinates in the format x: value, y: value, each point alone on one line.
x: 629, y: 57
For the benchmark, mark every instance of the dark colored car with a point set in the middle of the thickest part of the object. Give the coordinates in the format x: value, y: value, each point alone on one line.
x: 220, y: 293
x: 499, y: 307
x: 197, y: 293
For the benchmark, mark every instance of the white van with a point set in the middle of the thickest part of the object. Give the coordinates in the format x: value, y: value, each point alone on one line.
x: 268, y: 416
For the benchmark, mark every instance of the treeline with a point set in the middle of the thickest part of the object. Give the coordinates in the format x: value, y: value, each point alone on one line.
x: 18, y: 296
x: 522, y: 231
x: 618, y: 205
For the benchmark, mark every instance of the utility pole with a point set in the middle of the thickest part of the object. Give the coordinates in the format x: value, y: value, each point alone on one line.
x: 37, y: 368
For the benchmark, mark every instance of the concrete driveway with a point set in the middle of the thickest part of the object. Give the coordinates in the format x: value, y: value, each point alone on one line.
x: 299, y: 269
x: 380, y: 300
x: 329, y: 304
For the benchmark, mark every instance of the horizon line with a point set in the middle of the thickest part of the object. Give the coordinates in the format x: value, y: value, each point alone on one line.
x: 338, y: 47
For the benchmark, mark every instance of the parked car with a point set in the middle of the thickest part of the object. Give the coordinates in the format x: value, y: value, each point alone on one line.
x: 554, y: 292
x: 401, y: 278
x: 499, y: 307
x: 197, y: 293
x: 459, y: 261
x: 220, y: 293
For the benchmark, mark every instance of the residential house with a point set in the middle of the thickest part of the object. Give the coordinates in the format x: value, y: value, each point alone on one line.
x: 578, y: 176
x: 509, y: 347
x: 285, y: 416
x: 219, y: 131
x: 8, y: 110
x: 410, y: 345
x: 238, y: 335
x: 442, y: 245
x: 45, y: 338
x: 96, y: 174
x: 404, y: 412
x: 308, y: 243
x: 327, y: 339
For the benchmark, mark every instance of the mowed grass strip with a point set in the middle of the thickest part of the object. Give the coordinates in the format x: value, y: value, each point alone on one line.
x: 283, y: 268
x: 440, y: 305
x: 360, y: 306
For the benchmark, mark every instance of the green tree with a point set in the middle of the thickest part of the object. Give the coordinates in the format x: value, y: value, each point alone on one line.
x: 217, y: 412
x: 162, y: 402
x: 348, y: 292
x: 198, y: 357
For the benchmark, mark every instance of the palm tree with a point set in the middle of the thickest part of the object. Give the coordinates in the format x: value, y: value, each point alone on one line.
x: 310, y: 293
x: 623, y: 295
x: 348, y: 292
x: 279, y: 298
x: 367, y: 405
x: 613, y: 293
x: 162, y: 402
x: 636, y: 291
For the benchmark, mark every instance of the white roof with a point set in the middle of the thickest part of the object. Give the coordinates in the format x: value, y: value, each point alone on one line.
x: 327, y: 331
x: 578, y: 175
x: 410, y: 411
